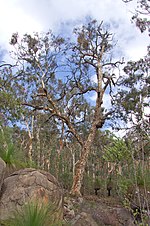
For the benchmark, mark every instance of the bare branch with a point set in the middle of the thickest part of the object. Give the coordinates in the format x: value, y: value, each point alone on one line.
x: 10, y: 65
x: 37, y: 107
x: 114, y: 63
x: 108, y: 113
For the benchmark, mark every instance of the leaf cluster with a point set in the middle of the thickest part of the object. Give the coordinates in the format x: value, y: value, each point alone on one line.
x: 117, y: 151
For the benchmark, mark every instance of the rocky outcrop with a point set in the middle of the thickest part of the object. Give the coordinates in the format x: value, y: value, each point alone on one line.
x: 83, y: 219
x: 94, y: 211
x: 30, y: 185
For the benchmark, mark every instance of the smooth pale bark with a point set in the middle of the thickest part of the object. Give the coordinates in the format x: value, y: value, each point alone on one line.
x: 97, y: 123
x: 30, y: 134
x: 80, y: 166
x: 38, y: 160
x: 30, y: 149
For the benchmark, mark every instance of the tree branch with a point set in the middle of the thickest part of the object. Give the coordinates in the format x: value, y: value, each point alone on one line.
x: 10, y: 65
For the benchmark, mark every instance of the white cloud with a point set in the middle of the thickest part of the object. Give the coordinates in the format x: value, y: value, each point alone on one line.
x: 106, y: 100
x: 36, y: 15
x: 137, y: 48
x: 15, y: 19
x: 121, y: 133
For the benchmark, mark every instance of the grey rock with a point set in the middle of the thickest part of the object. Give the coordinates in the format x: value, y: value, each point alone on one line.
x: 83, y: 219
x: 28, y: 185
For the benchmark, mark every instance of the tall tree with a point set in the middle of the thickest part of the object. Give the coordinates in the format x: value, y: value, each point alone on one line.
x: 55, y: 77
x: 132, y: 98
x: 135, y: 88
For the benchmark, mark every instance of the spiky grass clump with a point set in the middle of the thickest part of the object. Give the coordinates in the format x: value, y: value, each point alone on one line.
x: 33, y: 214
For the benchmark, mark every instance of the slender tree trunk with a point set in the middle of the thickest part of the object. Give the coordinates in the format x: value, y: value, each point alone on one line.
x: 30, y: 134
x: 57, y: 163
x: 47, y: 161
x: 80, y: 166
x: 73, y: 161
x: 38, y: 160
x: 30, y: 149
x: 61, y: 146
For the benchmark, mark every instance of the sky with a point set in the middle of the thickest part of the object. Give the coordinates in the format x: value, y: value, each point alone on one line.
x: 27, y: 16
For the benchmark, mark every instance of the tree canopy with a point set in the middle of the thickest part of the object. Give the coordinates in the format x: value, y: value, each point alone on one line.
x: 51, y: 84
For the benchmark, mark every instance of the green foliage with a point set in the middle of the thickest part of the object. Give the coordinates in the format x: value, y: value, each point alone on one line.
x: 33, y: 214
x: 124, y: 185
x: 10, y: 101
x: 8, y: 149
x: 133, y: 93
x: 100, y: 183
x: 140, y: 16
x: 66, y: 179
x: 132, y: 178
x: 143, y: 177
x: 97, y: 183
x: 88, y: 184
x: 117, y: 151
x: 27, y: 164
x: 8, y: 154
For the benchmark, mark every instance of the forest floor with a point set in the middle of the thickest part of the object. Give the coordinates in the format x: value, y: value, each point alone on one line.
x: 92, y: 210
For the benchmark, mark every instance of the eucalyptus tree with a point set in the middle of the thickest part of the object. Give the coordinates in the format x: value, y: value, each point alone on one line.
x: 9, y: 97
x: 134, y: 91
x: 141, y: 15
x: 132, y: 98
x: 55, y: 78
